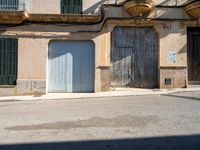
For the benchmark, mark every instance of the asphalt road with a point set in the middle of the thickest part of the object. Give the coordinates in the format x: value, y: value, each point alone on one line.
x: 166, y: 122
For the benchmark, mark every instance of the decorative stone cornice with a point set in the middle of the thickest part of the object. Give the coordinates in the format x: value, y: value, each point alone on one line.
x: 62, y: 18
x: 193, y: 9
x: 12, y: 17
x: 138, y: 8
x: 18, y: 17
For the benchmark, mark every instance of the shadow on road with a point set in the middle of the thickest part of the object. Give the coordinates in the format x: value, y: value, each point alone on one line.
x: 191, y: 142
x: 185, y: 97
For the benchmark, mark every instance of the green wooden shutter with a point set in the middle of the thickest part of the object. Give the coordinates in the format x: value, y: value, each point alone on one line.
x: 8, y: 61
x: 71, y: 6
x: 9, y: 4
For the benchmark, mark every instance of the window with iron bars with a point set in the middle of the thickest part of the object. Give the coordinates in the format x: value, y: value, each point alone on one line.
x: 9, y: 4
x: 71, y: 6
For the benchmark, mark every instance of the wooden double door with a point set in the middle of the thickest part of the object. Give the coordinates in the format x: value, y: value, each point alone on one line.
x: 134, y: 57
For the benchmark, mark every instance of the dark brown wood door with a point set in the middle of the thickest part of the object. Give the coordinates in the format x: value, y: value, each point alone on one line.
x: 134, y: 58
x: 193, y: 53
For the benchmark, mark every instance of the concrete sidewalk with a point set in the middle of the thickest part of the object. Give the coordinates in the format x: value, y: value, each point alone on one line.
x: 118, y: 92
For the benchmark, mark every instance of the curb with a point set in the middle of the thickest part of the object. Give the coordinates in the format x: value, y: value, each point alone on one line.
x: 123, y: 93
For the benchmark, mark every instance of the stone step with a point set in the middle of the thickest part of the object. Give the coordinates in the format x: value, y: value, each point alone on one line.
x: 193, y: 82
x: 193, y: 86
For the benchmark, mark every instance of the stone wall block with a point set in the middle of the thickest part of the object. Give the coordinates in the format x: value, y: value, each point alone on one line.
x: 177, y: 76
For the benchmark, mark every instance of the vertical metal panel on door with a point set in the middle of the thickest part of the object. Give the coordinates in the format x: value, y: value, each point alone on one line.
x: 193, y: 54
x: 71, y: 66
x: 134, y: 57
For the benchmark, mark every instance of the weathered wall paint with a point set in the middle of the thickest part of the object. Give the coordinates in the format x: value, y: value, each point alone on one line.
x: 89, y: 6
x: 172, y: 37
x: 32, y: 55
x: 44, y: 6
x: 53, y: 7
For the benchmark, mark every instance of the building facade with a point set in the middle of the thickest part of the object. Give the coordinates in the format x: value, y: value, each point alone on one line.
x: 95, y: 45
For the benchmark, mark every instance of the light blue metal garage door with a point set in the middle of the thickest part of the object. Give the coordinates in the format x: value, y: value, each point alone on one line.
x: 71, y: 66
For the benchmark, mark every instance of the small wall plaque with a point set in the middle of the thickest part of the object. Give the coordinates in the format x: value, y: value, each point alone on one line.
x: 172, y: 57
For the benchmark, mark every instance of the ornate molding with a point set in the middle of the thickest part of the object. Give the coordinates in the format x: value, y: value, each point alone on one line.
x: 62, y: 18
x: 18, y: 17
x: 138, y: 8
x: 193, y: 9
x: 12, y: 17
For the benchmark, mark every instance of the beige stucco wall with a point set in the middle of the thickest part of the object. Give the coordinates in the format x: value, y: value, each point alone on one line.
x: 102, y: 57
x: 160, y: 2
x: 44, y: 6
x: 172, y: 37
x: 53, y: 6
x: 103, y: 46
x: 32, y: 56
x: 89, y: 6
x: 92, y: 6
x: 170, y: 2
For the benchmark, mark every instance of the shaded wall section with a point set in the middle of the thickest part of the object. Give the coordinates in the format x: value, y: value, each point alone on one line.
x: 32, y: 57
x: 173, y: 54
